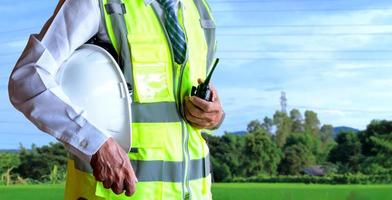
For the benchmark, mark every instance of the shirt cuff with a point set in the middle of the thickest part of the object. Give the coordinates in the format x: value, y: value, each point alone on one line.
x: 87, y: 141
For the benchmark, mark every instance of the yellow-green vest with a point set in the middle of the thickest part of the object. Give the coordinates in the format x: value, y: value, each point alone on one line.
x: 170, y: 157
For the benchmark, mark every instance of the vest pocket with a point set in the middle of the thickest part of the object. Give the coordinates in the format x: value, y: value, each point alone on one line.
x: 151, y: 71
x: 148, y: 140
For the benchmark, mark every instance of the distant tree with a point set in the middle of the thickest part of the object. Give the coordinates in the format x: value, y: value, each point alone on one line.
x: 312, y: 123
x: 297, y: 154
x: 347, y: 152
x: 297, y: 119
x: 267, y: 124
x: 39, y: 162
x: 283, y: 124
x: 254, y: 126
x: 296, y: 158
x: 376, y: 143
x: 371, y: 138
x: 8, y: 161
x: 231, y: 155
x: 324, y: 144
x: 300, y: 138
x: 227, y: 158
x: 326, y: 133
x: 262, y: 154
x: 221, y: 172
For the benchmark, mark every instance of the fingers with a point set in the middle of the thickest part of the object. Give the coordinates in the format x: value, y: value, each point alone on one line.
x: 119, y: 182
x: 107, y: 183
x: 197, y: 117
x: 112, y: 167
x: 127, y: 187
x: 130, y: 186
x: 122, y: 181
x: 201, y: 113
x: 196, y: 121
x: 118, y: 186
x: 214, y: 93
x: 204, y: 105
x: 194, y: 111
x: 130, y: 181
x: 98, y: 173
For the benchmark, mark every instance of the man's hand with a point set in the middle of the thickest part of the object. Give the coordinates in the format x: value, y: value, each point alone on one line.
x: 201, y: 113
x: 112, y: 166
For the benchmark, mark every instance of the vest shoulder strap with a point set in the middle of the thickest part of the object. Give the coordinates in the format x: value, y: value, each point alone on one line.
x: 208, y: 24
x: 116, y: 10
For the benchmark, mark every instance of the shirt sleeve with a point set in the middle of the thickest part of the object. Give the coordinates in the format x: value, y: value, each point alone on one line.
x: 33, y: 89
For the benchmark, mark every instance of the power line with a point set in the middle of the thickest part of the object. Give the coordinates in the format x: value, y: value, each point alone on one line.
x: 305, y: 10
x: 4, y: 111
x: 14, y: 122
x: 344, y: 109
x: 20, y: 133
x: 19, y: 30
x: 300, y: 34
x: 262, y: 34
x: 7, y: 63
x: 298, y: 25
x: 14, y: 40
x: 9, y: 143
x: 252, y: 34
x: 250, y: 26
x: 259, y: 1
x: 367, y: 68
x: 308, y: 59
x: 308, y: 51
x: 6, y: 76
x: 11, y: 64
x: 10, y: 54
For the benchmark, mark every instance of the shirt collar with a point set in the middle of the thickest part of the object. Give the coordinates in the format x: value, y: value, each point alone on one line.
x: 148, y: 2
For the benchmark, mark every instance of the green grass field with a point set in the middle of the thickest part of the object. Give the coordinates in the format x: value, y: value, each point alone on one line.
x: 240, y: 191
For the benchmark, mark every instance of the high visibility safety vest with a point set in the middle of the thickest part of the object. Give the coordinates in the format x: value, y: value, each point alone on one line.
x: 170, y: 157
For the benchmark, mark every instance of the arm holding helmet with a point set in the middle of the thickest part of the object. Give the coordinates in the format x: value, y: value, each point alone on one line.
x: 34, y: 91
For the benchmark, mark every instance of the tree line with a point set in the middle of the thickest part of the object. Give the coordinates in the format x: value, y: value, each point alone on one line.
x: 287, y: 145
x: 276, y: 149
x: 46, y: 164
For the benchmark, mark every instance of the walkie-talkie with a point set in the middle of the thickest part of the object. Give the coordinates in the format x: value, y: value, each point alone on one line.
x: 203, y: 90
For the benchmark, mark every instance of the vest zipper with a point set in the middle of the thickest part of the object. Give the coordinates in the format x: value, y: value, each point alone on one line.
x: 188, y: 196
x: 185, y: 134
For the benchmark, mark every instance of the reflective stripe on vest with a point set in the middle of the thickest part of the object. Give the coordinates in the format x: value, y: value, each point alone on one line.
x: 168, y: 171
x: 154, y: 112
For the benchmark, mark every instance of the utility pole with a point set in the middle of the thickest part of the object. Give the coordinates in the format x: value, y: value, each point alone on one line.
x: 283, y: 102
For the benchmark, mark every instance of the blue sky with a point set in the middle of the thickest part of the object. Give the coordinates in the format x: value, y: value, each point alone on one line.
x: 333, y: 57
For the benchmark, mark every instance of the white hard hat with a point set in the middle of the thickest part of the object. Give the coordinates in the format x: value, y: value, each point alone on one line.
x: 93, y: 81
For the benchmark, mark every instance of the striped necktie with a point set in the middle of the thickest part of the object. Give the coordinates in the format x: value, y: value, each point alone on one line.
x: 174, y: 30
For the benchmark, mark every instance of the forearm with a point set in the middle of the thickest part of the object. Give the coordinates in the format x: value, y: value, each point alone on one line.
x: 33, y: 89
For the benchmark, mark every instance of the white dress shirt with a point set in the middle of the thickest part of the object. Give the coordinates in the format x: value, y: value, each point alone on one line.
x: 33, y: 89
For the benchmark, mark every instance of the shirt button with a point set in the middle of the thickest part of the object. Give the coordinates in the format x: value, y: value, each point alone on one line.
x: 84, y: 143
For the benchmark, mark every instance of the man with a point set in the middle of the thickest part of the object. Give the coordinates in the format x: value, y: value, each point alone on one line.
x: 170, y: 45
